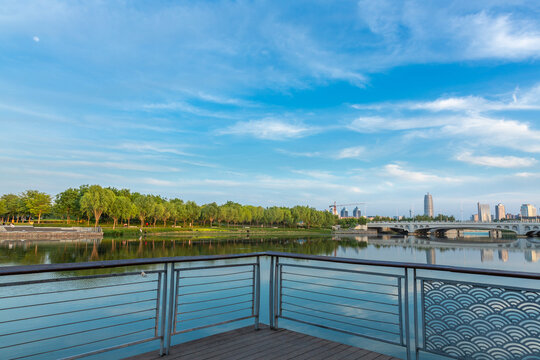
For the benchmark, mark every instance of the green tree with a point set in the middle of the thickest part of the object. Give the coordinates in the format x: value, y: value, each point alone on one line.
x: 3, y: 209
x: 66, y: 202
x: 97, y: 201
x: 209, y: 212
x: 121, y: 208
x: 12, y: 205
x: 159, y: 211
x: 37, y: 203
x: 193, y: 212
x: 178, y: 210
x: 145, y: 207
x: 168, y: 213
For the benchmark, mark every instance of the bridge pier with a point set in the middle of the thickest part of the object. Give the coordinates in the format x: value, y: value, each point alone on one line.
x: 496, y: 234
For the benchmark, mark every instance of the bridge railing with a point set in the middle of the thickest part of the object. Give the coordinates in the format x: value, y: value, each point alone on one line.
x: 415, y: 310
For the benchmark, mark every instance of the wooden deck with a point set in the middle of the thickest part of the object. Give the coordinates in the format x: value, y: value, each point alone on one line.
x: 246, y: 343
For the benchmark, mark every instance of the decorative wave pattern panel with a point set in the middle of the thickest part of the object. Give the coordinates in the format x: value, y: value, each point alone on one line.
x: 469, y: 321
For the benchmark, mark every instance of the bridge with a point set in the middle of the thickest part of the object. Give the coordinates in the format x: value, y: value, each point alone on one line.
x: 457, y: 228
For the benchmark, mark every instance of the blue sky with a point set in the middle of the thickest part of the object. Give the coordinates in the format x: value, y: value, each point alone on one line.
x: 275, y: 103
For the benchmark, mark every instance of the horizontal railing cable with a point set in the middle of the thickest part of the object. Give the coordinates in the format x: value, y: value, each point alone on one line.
x: 79, y: 322
x: 340, y: 287
x: 80, y: 289
x: 84, y: 299
x: 333, y: 278
x: 341, y: 296
x: 347, y: 316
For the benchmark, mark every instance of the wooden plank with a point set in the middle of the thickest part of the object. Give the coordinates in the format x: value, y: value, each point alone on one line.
x: 277, y: 345
x: 209, y: 348
x: 246, y: 343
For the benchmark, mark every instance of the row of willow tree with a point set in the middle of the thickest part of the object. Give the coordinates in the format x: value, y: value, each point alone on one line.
x: 93, y: 202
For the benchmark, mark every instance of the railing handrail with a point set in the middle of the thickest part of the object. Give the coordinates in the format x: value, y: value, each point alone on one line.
x: 41, y: 268
x: 418, y: 266
x: 30, y: 269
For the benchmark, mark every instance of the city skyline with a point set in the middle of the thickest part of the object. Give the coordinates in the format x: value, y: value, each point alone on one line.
x: 263, y: 103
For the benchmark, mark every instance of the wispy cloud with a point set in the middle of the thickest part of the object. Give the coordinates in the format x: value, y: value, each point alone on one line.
x: 269, y: 129
x: 152, y: 148
x: 400, y: 173
x: 354, y: 152
x: 497, y: 161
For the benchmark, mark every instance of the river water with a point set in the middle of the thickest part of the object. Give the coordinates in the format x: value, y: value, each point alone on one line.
x: 521, y: 254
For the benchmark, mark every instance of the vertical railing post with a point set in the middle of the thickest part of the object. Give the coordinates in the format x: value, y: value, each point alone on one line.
x: 277, y: 290
x: 271, y: 294
x: 172, y: 305
x: 163, y: 277
x: 257, y: 290
x: 415, y: 313
x: 407, y: 321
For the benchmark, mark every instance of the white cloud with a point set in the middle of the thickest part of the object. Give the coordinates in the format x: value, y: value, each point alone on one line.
x: 158, y: 182
x: 300, y: 154
x: 317, y: 174
x: 528, y: 175
x: 497, y: 161
x: 269, y: 129
x: 380, y: 123
x: 417, y: 176
x: 495, y: 132
x: 499, y: 36
x: 354, y: 152
x: 147, y: 147
x: 35, y: 38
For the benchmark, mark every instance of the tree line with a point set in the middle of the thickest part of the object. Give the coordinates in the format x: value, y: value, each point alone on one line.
x: 96, y: 203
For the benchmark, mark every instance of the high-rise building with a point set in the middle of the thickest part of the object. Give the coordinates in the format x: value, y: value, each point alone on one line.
x: 344, y: 213
x: 484, y: 213
x: 428, y: 205
x: 356, y: 212
x: 527, y: 210
x: 474, y: 217
x: 500, y: 212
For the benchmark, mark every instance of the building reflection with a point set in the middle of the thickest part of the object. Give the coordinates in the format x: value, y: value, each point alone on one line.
x: 531, y: 255
x: 486, y: 255
x: 430, y: 256
x: 503, y: 255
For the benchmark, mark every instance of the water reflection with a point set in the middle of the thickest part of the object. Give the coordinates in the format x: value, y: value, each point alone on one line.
x: 505, y: 254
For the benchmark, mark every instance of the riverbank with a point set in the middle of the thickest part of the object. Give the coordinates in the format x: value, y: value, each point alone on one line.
x: 49, y: 233
x: 210, y: 231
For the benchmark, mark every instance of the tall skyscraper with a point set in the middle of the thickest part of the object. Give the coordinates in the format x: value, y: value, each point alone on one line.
x: 527, y: 210
x: 500, y: 212
x: 484, y: 213
x: 344, y: 213
x: 428, y: 205
x: 356, y: 212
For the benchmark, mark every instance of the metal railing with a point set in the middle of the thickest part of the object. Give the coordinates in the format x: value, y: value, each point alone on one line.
x: 53, y: 314
x: 422, y: 309
x: 81, y: 309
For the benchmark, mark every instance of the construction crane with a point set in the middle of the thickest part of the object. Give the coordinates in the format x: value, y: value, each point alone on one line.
x: 333, y: 208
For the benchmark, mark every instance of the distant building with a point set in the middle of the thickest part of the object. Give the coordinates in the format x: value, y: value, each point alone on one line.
x: 511, y: 216
x: 356, y: 212
x: 527, y: 210
x: 474, y: 217
x: 344, y: 213
x: 500, y: 212
x: 484, y: 213
x: 428, y: 205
